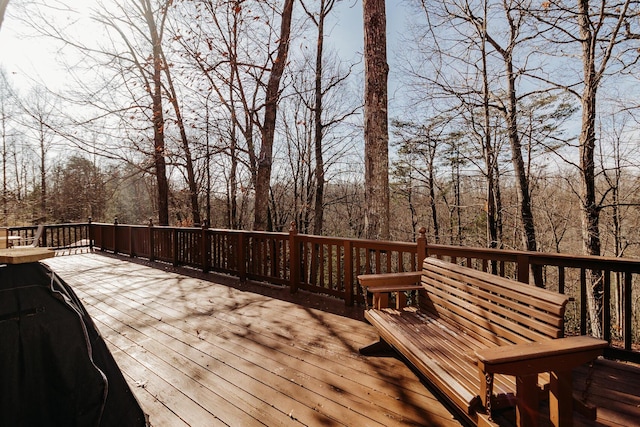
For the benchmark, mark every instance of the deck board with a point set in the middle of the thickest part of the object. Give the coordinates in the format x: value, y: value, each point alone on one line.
x: 200, y: 353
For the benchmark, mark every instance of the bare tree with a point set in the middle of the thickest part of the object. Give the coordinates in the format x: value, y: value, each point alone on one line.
x: 376, y: 134
x: 272, y: 94
x: 126, y: 82
x: 231, y: 64
x: 7, y: 102
x: 154, y: 87
x: 324, y: 8
x: 600, y: 33
x: 41, y: 117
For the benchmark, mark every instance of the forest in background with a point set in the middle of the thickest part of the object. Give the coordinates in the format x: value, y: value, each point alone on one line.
x: 493, y: 125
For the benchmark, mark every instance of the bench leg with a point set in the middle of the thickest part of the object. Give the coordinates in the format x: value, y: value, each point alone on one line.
x: 528, y: 401
x: 380, y: 300
x: 561, y: 399
x: 401, y: 300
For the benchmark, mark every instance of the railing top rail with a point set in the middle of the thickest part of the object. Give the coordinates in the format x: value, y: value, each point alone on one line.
x: 30, y: 227
x: 541, y: 258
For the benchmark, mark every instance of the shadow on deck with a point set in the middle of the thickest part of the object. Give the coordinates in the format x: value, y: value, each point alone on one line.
x: 202, y: 349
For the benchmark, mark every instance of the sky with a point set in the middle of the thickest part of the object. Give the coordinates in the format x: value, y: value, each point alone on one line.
x: 28, y: 59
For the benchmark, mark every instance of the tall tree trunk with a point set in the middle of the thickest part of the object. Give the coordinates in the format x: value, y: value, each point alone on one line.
x: 158, y: 118
x: 376, y: 135
x: 317, y: 116
x: 522, y: 180
x: 510, y: 112
x: 431, y: 182
x: 489, y: 155
x: 263, y: 176
x: 188, y: 158
x: 43, y: 178
x: 232, y: 202
x: 587, y: 141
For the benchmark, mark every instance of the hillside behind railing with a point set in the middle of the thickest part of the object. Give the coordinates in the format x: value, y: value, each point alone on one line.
x: 329, y: 265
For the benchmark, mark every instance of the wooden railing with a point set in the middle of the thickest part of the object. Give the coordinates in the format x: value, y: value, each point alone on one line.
x: 56, y: 236
x: 330, y: 266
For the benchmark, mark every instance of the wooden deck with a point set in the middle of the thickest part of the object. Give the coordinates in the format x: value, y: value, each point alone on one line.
x: 201, y: 353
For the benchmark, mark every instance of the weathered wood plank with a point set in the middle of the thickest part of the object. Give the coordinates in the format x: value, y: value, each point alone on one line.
x: 197, y: 329
x: 319, y: 342
x: 197, y: 344
x: 203, y: 383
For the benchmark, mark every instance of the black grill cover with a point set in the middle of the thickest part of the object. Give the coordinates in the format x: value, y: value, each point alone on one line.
x: 55, y: 369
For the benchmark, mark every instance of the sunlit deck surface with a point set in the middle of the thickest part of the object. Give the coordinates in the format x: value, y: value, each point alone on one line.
x: 215, y: 352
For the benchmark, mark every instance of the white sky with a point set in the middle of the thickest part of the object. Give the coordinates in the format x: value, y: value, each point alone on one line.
x: 28, y: 59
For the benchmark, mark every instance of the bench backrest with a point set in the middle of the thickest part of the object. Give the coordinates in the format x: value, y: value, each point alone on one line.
x: 493, y: 309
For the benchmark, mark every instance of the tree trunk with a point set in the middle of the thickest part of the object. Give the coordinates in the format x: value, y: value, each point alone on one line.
x: 188, y: 158
x: 587, y: 141
x: 317, y: 116
x: 43, y: 178
x: 522, y: 180
x: 431, y: 182
x: 158, y: 120
x: 489, y: 155
x: 510, y: 112
x: 376, y: 136
x: 263, y: 176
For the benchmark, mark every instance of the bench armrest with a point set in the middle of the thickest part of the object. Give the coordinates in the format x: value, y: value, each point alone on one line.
x: 526, y: 361
x: 546, y: 356
x: 390, y: 280
x: 380, y: 285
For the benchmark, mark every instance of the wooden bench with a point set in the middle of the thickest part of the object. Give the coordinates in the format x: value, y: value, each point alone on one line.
x: 484, y: 341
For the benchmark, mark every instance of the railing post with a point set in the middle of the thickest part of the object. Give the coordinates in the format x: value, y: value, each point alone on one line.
x: 348, y: 273
x: 115, y: 235
x: 44, y: 237
x: 606, y: 306
x: 422, y: 247
x: 583, y: 301
x: 131, y: 242
x: 204, y: 246
x: 152, y: 256
x: 175, y: 246
x: 294, y: 258
x: 627, y: 311
x: 240, y: 256
x: 90, y: 235
x: 523, y: 268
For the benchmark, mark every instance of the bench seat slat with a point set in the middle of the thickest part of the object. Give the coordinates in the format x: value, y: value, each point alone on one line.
x: 452, y: 347
x: 428, y: 345
x: 440, y: 378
